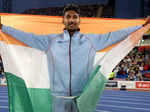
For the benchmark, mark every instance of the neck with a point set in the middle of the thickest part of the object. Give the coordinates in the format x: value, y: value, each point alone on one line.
x: 71, y: 33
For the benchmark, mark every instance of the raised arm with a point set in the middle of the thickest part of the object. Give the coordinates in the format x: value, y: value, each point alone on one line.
x: 104, y: 40
x: 36, y: 41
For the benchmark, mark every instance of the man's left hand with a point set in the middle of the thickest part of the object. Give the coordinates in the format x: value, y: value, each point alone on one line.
x: 147, y: 21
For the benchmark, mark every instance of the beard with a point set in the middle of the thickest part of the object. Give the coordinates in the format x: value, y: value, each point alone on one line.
x: 72, y: 30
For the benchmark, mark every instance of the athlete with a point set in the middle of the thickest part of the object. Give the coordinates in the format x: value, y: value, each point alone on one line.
x: 70, y: 55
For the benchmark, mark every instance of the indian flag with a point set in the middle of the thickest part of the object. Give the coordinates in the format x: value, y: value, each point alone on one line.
x: 27, y: 77
x: 93, y: 90
x: 26, y: 68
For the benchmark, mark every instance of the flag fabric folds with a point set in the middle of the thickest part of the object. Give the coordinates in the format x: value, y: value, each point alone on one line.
x: 22, y: 63
x: 95, y: 86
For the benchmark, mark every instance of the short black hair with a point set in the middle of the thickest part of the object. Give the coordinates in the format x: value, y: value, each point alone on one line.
x: 73, y: 7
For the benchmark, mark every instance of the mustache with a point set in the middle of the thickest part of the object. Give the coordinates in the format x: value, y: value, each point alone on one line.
x: 72, y: 23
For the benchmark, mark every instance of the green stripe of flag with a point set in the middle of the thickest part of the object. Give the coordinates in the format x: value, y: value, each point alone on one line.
x: 87, y: 101
x: 23, y: 99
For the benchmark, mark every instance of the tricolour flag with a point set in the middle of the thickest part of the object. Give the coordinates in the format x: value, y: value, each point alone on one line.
x: 104, y: 66
x: 27, y: 77
x: 22, y: 63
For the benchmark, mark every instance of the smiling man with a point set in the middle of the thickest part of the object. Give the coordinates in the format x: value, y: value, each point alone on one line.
x: 71, y: 19
x: 70, y: 55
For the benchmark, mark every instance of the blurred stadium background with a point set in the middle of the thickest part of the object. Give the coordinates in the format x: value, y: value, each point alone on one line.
x: 132, y: 73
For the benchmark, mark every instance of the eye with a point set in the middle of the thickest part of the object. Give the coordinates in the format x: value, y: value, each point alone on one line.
x: 68, y: 16
x: 75, y: 16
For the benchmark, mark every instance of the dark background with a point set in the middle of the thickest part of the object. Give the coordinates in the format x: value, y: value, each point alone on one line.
x: 89, y: 8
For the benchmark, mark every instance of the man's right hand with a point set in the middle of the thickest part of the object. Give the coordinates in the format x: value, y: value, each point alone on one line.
x: 0, y: 23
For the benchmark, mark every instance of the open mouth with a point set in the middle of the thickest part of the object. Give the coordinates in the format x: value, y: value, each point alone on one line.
x: 71, y: 25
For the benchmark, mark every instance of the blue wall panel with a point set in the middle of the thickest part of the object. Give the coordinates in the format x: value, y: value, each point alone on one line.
x: 1, y: 6
x: 128, y: 8
x: 19, y: 6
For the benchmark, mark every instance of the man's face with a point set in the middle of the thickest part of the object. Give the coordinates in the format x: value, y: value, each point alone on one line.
x: 71, y: 20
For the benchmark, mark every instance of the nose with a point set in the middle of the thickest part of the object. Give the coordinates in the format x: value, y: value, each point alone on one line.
x: 71, y: 20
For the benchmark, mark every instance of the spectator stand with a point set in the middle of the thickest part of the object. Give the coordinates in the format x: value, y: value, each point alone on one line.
x: 135, y: 66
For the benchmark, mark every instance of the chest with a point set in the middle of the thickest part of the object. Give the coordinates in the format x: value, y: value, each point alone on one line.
x: 74, y: 47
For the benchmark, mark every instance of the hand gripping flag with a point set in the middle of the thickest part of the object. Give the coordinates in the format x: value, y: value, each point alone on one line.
x: 27, y: 94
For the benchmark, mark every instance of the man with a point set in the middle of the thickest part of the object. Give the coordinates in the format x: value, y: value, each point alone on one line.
x: 70, y: 55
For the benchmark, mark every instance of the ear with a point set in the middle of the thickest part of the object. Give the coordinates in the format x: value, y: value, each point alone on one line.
x: 79, y: 20
x: 63, y: 21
